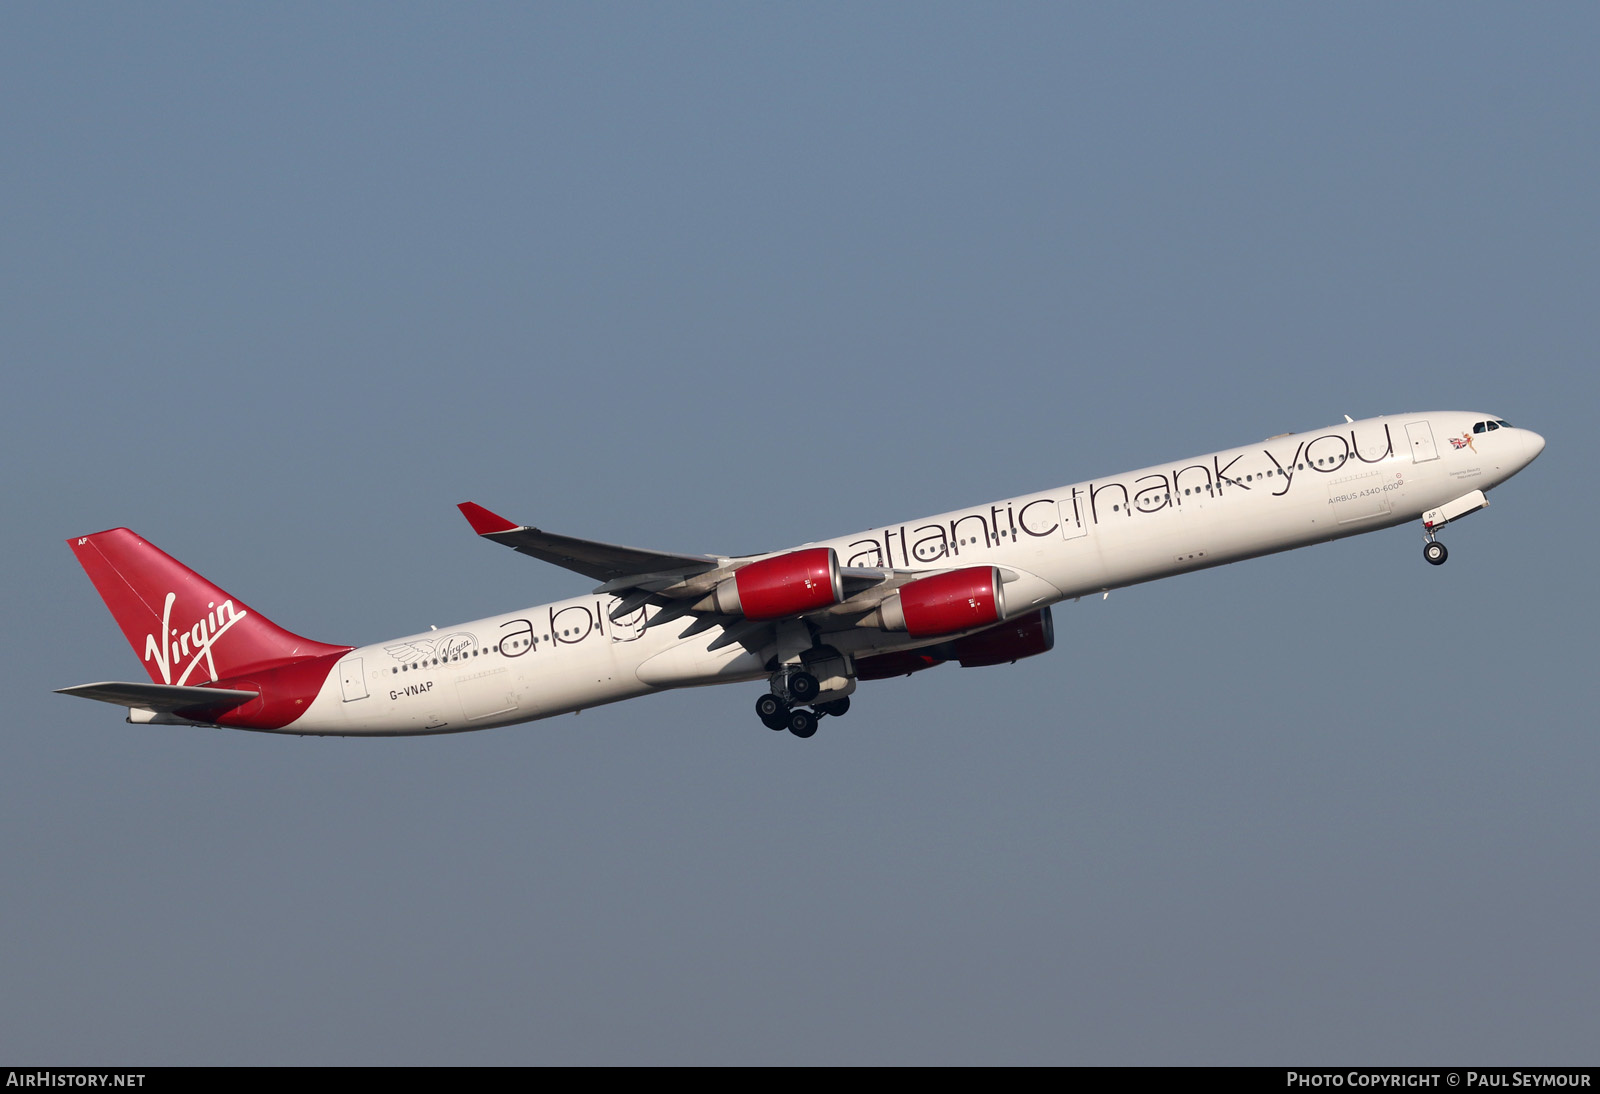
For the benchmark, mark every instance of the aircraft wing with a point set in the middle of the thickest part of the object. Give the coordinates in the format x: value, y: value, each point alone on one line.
x: 680, y: 587
x: 607, y: 562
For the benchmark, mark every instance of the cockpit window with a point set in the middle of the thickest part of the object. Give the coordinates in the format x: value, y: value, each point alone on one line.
x: 1478, y: 427
x: 1505, y: 423
x: 1493, y: 425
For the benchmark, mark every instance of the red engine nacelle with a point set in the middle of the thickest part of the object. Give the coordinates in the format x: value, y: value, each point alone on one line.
x: 801, y: 581
x: 881, y: 666
x: 1025, y: 636
x: 946, y: 603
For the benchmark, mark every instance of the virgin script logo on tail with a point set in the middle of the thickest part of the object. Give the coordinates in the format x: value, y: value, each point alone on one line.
x: 195, y: 643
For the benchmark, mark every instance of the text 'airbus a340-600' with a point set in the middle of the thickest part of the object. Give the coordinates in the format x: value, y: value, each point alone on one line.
x: 974, y: 586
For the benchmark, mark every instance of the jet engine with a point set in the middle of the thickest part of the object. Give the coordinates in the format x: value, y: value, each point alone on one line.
x: 944, y: 603
x: 1025, y: 636
x: 784, y: 585
x: 881, y: 666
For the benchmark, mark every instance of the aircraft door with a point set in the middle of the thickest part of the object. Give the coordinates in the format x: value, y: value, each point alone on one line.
x: 1422, y: 449
x: 1359, y: 497
x: 352, y: 680
x: 1074, y: 515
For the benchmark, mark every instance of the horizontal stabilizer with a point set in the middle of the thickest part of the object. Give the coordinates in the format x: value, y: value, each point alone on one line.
x: 164, y: 698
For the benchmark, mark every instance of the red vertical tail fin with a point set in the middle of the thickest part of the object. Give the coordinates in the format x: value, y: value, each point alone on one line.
x: 185, y: 629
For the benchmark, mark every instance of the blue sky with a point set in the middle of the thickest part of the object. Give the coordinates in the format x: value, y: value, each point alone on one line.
x: 283, y: 284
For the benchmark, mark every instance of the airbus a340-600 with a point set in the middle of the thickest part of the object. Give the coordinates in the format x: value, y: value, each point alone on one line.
x: 973, y: 586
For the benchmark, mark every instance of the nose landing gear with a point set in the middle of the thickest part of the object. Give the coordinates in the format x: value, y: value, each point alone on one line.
x: 1435, y: 519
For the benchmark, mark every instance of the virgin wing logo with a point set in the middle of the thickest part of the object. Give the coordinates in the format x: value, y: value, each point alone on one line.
x: 195, y: 644
x: 457, y: 644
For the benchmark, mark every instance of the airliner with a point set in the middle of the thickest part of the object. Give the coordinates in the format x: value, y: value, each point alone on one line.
x: 974, y: 586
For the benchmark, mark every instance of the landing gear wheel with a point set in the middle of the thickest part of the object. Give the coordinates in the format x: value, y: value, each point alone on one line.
x: 804, y: 687
x: 772, y: 712
x: 834, y: 707
x: 802, y: 723
x: 1435, y: 552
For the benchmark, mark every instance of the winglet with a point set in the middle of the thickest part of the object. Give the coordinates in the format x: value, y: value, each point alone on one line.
x: 484, y: 522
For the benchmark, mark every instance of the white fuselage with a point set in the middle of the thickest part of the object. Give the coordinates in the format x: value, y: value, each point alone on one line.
x: 1088, y: 537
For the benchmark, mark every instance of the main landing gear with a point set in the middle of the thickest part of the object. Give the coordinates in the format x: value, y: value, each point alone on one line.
x: 777, y: 711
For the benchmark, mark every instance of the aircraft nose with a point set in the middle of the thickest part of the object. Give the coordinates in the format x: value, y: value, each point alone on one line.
x: 1533, y: 443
